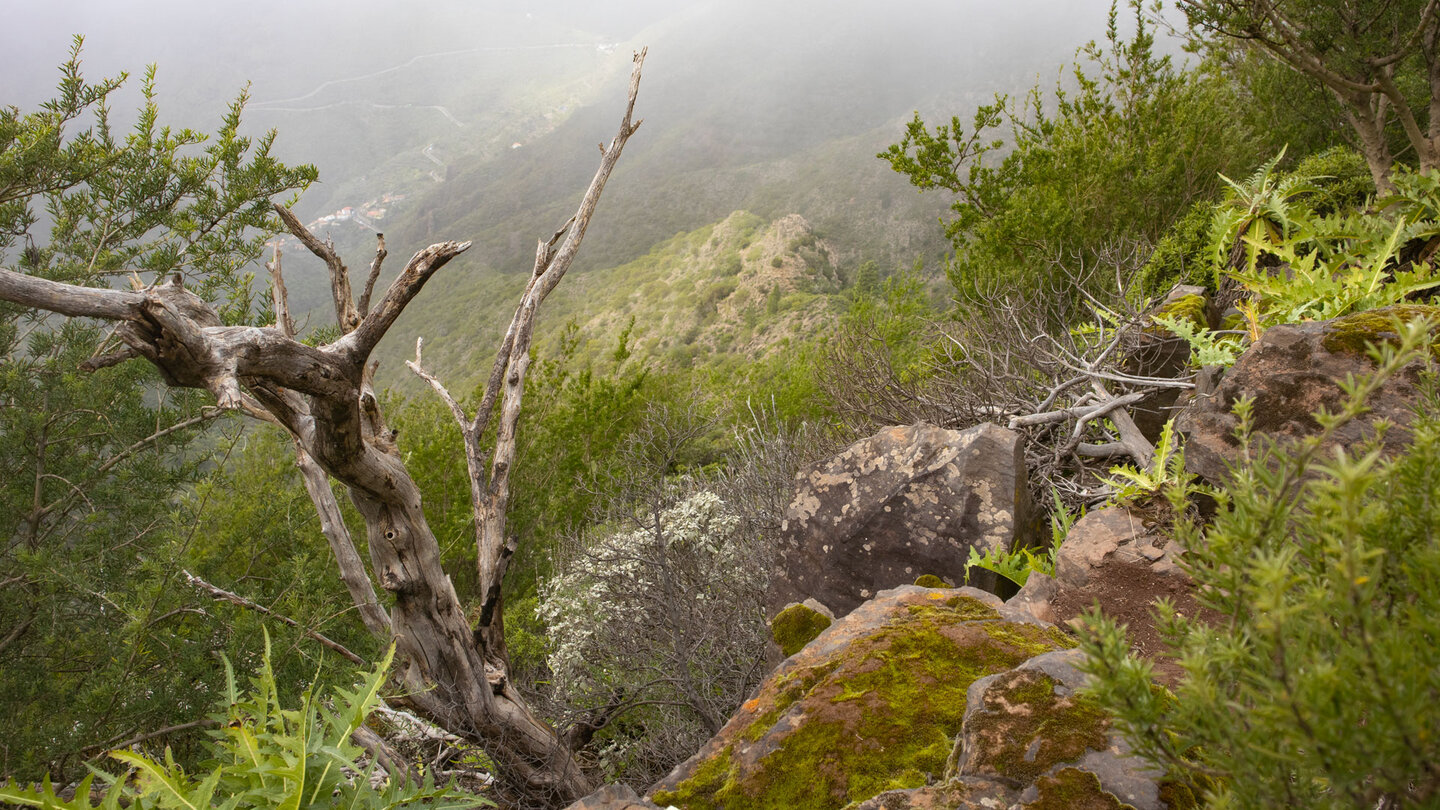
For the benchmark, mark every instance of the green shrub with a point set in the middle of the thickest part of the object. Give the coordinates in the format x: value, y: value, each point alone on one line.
x: 264, y: 756
x: 1179, y: 256
x: 1317, y: 685
x: 1343, y: 180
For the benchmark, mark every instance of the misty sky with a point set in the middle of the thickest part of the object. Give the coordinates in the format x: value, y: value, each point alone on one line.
x: 375, y: 92
x: 284, y: 46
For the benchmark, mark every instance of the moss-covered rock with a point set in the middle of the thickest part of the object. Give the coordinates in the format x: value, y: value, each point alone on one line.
x: 873, y: 704
x: 932, y: 581
x: 962, y: 793
x: 1073, y: 789
x: 1028, y: 726
x: 1294, y: 371
x: 1023, y: 727
x: 1352, y: 334
x: 797, y: 625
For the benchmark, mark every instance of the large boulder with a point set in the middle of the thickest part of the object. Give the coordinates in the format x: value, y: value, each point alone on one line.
x: 906, y: 502
x: 873, y: 704
x: 1293, y: 371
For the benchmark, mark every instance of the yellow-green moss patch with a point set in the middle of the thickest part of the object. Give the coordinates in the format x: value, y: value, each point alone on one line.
x: 1024, y: 728
x: 1353, y: 333
x: 786, y: 691
x: 1074, y: 789
x: 932, y: 581
x: 796, y: 626
x: 1177, y: 796
x: 701, y: 791
x: 954, y: 608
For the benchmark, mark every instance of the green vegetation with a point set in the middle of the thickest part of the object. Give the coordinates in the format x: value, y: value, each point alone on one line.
x: 1314, y: 690
x: 102, y: 639
x: 1164, y: 478
x: 636, y: 568
x: 796, y: 626
x: 1118, y: 154
x: 1367, y: 58
x: 264, y: 756
x: 1014, y: 565
x: 1298, y: 251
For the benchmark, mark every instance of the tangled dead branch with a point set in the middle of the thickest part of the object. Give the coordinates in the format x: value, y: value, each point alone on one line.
x: 1057, y: 363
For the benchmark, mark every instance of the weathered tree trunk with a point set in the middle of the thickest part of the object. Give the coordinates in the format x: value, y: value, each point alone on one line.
x: 454, y: 674
x: 1363, y: 82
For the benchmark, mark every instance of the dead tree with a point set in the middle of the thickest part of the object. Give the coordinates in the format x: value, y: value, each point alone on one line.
x: 452, y: 673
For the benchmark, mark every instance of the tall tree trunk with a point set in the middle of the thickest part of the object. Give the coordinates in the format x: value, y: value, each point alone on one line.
x: 1366, y: 114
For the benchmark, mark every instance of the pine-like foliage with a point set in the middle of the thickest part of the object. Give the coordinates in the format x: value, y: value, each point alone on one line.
x: 1318, y: 685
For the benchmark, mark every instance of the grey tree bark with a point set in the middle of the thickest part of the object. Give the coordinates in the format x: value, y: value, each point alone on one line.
x: 1363, y: 82
x: 452, y: 673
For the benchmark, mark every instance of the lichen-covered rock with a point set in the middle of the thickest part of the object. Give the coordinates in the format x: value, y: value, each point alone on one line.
x: 798, y: 624
x: 905, y: 502
x: 872, y: 704
x: 613, y: 797
x: 1029, y: 724
x: 960, y: 793
x: 1290, y: 373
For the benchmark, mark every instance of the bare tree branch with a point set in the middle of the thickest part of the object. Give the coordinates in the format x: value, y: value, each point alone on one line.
x: 280, y: 298
x: 380, y: 254
x: 345, y: 313
x: 222, y: 595
x: 367, y: 334
x: 67, y: 299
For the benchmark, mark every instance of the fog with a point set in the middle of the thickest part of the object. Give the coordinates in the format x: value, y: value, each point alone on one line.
x: 485, y: 115
x: 376, y: 74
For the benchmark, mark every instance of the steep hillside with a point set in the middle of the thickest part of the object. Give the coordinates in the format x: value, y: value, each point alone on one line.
x: 771, y: 108
x: 739, y: 288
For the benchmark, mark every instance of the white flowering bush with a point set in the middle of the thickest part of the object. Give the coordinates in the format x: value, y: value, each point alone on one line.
x: 656, y: 630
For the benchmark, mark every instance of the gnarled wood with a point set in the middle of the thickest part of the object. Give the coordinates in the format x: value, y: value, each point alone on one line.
x: 452, y: 673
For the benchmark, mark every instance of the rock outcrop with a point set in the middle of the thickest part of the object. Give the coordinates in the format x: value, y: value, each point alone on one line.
x: 1293, y: 371
x: 874, y: 703
x: 919, y: 698
x: 905, y: 502
x: 1159, y: 353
